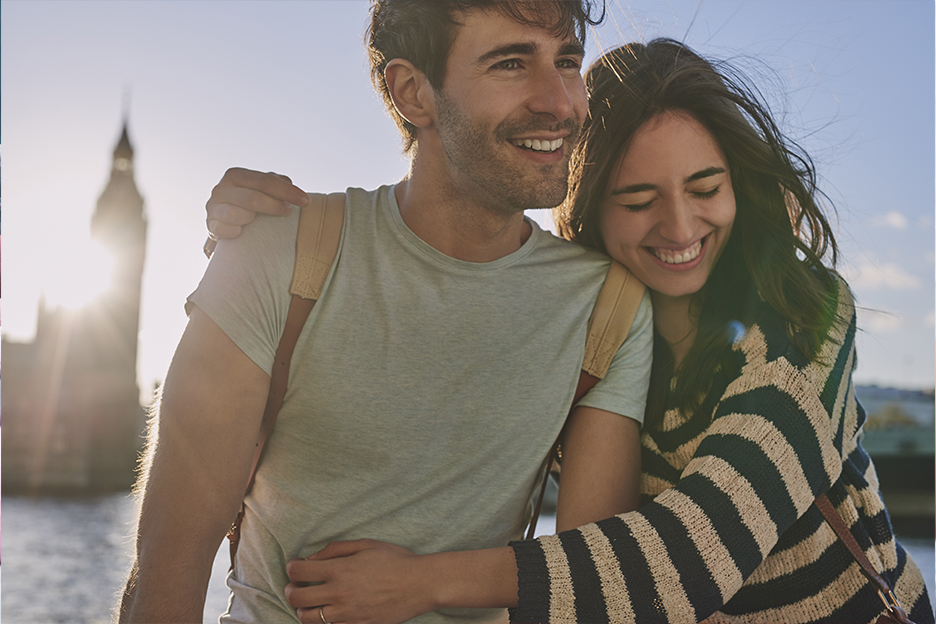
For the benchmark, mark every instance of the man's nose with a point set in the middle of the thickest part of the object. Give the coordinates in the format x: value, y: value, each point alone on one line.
x: 552, y: 95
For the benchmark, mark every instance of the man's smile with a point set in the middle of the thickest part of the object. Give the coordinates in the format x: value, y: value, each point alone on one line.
x: 538, y: 145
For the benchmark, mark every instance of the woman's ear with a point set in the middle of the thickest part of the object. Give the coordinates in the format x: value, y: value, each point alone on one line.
x: 411, y: 92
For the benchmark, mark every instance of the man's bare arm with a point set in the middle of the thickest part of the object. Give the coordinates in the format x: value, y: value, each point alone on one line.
x: 201, y: 446
x: 600, y: 467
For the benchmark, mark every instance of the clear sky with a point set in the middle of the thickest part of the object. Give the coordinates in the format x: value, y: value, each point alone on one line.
x: 283, y: 86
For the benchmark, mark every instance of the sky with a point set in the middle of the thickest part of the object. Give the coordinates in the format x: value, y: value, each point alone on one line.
x: 283, y: 86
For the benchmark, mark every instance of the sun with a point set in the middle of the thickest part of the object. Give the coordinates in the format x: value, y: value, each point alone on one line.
x: 83, y: 270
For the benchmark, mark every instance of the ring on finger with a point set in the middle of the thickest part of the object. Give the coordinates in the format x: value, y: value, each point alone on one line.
x: 322, y: 615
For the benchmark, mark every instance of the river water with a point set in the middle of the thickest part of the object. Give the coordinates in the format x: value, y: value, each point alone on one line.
x: 66, y: 560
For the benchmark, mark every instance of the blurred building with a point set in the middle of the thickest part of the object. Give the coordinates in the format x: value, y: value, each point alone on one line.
x: 70, y: 397
x: 899, y: 436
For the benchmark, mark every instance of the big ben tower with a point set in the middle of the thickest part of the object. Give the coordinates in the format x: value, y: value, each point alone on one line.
x: 74, y: 419
x: 119, y: 225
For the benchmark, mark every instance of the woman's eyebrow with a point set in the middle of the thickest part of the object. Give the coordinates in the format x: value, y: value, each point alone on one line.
x: 698, y: 175
x: 634, y: 188
x: 639, y: 188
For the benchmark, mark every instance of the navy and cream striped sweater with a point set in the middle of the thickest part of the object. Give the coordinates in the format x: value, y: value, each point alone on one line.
x: 727, y: 529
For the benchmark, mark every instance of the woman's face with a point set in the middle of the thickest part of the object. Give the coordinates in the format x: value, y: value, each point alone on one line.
x: 670, y: 206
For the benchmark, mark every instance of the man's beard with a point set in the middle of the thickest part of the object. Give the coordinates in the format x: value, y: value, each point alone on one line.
x: 483, y: 158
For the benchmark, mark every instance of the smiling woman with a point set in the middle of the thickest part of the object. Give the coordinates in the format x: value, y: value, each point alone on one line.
x: 671, y: 206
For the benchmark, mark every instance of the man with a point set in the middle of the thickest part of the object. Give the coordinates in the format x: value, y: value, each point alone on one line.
x: 439, y: 364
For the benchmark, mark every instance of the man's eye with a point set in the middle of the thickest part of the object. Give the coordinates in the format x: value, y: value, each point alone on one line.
x: 508, y: 64
x: 569, y: 64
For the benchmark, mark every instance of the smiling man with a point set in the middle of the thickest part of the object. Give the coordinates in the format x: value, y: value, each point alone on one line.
x: 439, y: 365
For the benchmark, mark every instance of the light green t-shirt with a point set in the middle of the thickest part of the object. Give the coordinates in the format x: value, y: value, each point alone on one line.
x: 424, y: 391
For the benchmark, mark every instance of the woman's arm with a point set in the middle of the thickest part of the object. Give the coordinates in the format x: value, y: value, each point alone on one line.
x: 600, y: 467
x: 370, y: 581
x: 725, y: 492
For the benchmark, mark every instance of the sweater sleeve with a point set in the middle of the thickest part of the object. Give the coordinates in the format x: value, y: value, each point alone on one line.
x: 773, y: 444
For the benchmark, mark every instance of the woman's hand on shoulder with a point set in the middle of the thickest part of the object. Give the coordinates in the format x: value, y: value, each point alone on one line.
x: 362, y: 581
x: 242, y: 193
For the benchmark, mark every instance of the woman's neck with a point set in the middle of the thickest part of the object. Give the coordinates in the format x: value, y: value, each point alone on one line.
x: 676, y: 323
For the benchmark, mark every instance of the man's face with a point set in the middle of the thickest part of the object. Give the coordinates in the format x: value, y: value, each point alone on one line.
x: 509, y: 112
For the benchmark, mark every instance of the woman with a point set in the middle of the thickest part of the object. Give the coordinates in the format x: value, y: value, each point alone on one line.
x: 683, y: 177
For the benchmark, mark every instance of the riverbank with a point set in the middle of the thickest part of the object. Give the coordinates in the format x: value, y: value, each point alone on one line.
x: 78, y: 550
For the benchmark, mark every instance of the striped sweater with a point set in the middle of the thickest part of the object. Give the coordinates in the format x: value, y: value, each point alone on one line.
x: 727, y: 530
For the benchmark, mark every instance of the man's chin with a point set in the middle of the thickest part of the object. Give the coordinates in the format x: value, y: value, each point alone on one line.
x: 547, y: 196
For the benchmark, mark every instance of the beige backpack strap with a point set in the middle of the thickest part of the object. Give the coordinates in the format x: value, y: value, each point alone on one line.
x: 317, y: 243
x: 611, y: 319
x: 608, y: 327
x: 316, y: 249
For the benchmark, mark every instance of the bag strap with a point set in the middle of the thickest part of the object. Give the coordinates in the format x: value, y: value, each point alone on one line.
x: 608, y: 327
x: 828, y: 511
x: 316, y: 249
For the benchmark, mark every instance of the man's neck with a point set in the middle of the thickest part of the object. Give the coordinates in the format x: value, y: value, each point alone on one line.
x: 458, y: 226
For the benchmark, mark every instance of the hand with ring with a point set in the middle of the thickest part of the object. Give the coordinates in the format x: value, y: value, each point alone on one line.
x: 360, y: 582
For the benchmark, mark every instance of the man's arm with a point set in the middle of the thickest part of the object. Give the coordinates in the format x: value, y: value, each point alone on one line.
x: 200, y: 450
x: 600, y: 467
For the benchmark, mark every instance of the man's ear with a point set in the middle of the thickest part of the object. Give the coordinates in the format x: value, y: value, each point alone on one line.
x: 411, y: 92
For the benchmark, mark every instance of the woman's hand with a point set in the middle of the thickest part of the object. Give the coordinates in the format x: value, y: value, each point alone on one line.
x: 361, y: 581
x: 242, y: 193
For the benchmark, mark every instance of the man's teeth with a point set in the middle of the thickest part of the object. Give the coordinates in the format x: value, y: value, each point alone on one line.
x: 672, y: 257
x: 537, y: 145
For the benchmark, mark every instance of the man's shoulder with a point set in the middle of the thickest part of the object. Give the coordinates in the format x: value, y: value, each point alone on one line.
x: 566, y: 250
x: 361, y: 197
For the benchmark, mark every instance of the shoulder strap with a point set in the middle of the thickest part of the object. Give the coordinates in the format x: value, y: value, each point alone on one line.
x: 611, y: 319
x: 608, y: 327
x: 895, y: 612
x: 317, y: 243
x: 316, y: 249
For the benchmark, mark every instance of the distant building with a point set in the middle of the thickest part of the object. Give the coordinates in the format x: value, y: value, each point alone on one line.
x: 71, y: 400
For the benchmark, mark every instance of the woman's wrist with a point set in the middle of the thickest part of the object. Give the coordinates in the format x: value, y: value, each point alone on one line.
x: 470, y: 579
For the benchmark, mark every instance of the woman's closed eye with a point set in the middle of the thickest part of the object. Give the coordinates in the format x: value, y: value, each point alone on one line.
x: 706, y: 194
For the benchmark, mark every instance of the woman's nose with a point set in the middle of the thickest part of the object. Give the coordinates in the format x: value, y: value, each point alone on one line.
x: 678, y: 221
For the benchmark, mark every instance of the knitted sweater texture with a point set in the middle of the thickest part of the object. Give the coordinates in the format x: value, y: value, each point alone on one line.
x: 727, y: 530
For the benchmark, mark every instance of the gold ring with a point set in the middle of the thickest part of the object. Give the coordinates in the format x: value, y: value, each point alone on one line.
x: 322, y: 615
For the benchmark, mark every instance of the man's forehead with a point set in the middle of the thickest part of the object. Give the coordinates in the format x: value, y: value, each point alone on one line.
x: 488, y: 34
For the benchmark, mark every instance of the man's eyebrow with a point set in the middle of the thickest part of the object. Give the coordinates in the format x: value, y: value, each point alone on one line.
x: 639, y: 188
x: 573, y: 48
x: 511, y: 49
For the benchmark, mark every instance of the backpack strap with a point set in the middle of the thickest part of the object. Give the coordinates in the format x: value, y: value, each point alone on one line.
x: 608, y: 327
x: 611, y: 319
x: 316, y: 249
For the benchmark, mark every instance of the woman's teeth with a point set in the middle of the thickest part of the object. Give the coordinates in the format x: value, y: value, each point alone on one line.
x: 537, y: 145
x: 674, y: 257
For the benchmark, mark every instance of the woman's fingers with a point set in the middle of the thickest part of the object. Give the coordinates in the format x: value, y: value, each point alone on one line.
x: 242, y: 193
x: 316, y: 615
x: 344, y: 549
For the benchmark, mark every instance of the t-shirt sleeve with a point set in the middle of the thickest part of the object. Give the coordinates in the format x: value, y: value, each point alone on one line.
x: 624, y: 389
x: 245, y: 289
